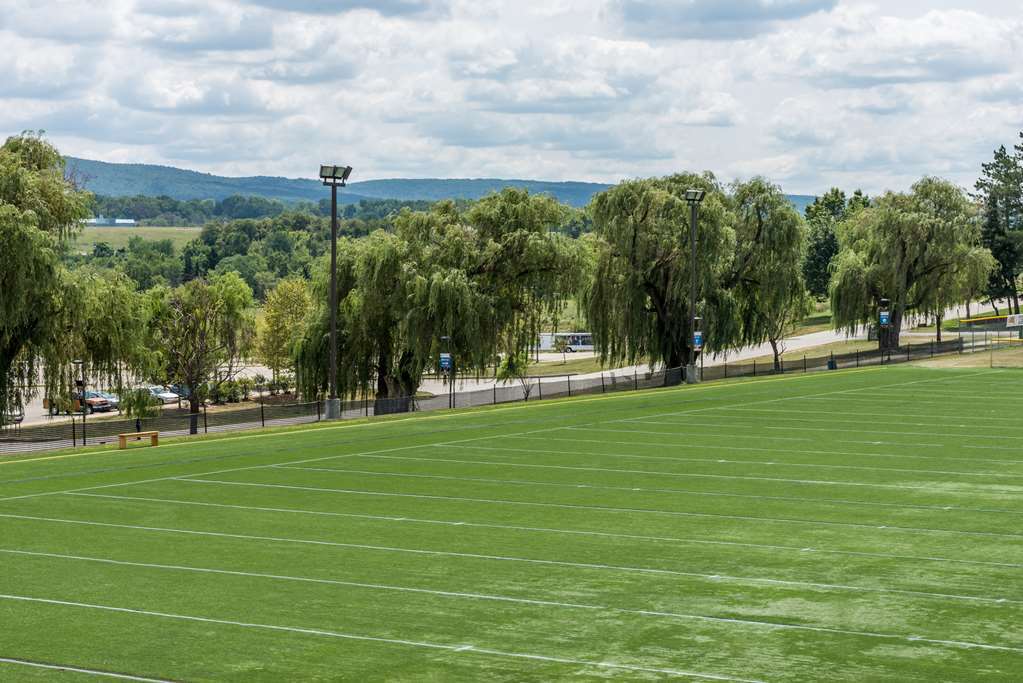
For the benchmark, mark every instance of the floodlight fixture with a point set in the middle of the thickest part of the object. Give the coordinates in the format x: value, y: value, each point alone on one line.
x: 695, y: 196
x: 334, y: 175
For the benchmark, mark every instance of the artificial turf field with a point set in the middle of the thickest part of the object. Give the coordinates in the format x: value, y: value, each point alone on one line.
x: 849, y: 526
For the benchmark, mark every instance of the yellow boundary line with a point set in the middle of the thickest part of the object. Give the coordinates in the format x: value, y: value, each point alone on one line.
x: 191, y: 441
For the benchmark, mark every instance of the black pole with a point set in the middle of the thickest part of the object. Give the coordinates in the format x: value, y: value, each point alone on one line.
x: 333, y: 291
x: 693, y: 217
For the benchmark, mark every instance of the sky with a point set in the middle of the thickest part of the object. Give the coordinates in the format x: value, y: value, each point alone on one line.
x: 808, y: 93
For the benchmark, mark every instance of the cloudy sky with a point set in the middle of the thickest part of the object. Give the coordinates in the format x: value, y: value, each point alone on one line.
x: 811, y: 93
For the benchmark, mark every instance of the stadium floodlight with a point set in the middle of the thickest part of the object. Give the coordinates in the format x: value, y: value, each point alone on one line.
x: 694, y: 197
x: 335, y: 176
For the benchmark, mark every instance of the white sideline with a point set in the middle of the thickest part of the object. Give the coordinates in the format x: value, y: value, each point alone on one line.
x: 860, y: 454
x: 375, y: 639
x: 80, y: 670
x: 629, y: 489
x: 550, y: 563
x: 537, y: 602
x: 724, y: 461
x: 599, y: 508
x: 573, y: 532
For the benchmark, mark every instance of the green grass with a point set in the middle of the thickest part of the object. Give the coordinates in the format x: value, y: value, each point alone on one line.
x: 853, y: 526
x: 118, y: 238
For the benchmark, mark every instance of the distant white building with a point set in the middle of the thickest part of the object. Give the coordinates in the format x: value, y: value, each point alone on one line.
x: 104, y: 221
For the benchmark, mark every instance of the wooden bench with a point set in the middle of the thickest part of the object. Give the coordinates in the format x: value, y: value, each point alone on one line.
x: 122, y: 439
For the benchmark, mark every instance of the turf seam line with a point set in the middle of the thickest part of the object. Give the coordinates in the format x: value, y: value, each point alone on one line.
x: 537, y: 602
x: 579, y: 532
x: 604, y: 487
x: 471, y: 649
x: 526, y: 560
x: 569, y: 506
x: 80, y: 670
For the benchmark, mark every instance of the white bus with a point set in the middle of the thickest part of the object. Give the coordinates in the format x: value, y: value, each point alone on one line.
x: 575, y: 341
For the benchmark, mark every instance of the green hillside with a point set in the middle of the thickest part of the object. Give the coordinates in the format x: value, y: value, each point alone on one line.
x: 120, y: 180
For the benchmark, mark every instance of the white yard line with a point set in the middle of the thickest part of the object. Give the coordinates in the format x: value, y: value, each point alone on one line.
x: 80, y: 670
x: 461, y: 648
x: 548, y: 530
x: 533, y: 602
x: 633, y: 489
x: 601, y: 508
x: 716, y: 578
x: 789, y: 428
x: 858, y: 454
x: 722, y: 461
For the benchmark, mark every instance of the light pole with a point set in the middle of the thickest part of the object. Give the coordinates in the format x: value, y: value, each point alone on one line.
x: 335, y: 177
x: 80, y: 385
x: 694, y: 197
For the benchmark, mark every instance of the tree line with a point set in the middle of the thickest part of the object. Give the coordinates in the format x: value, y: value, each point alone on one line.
x: 478, y: 279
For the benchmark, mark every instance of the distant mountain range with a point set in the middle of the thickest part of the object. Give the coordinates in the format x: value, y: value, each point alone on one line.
x: 120, y: 180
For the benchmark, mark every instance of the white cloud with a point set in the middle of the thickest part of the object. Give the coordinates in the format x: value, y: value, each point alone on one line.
x: 810, y: 92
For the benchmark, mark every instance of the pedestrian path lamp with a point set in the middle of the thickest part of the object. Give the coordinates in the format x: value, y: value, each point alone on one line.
x: 335, y: 177
x: 694, y: 197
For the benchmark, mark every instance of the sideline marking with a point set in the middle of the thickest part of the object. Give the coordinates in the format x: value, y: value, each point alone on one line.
x: 527, y: 560
x: 577, y: 532
x: 537, y: 602
x: 375, y: 639
x: 79, y: 670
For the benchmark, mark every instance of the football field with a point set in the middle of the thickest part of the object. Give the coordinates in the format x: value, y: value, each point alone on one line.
x: 847, y: 526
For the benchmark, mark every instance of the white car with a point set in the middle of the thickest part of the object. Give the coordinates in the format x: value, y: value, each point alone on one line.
x: 163, y: 395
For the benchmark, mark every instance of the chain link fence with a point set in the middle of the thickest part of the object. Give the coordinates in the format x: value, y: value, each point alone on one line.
x: 82, y: 431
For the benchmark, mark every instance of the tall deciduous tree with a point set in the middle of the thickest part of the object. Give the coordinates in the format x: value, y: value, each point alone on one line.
x: 921, y: 251
x: 283, y: 316
x: 822, y: 216
x: 638, y: 297
x: 202, y: 330
x: 772, y: 292
x: 484, y: 279
x: 49, y: 317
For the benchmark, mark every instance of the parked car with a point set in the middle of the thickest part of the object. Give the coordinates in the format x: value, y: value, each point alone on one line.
x: 181, y: 390
x: 163, y: 395
x: 113, y: 399
x: 94, y: 403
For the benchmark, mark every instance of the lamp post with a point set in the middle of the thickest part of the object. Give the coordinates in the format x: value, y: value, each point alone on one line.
x: 335, y: 177
x: 694, y: 197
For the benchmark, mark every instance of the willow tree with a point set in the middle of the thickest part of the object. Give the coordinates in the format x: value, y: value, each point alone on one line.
x: 770, y: 248
x: 49, y: 316
x: 202, y: 330
x: 638, y: 296
x: 471, y: 284
x: 921, y: 251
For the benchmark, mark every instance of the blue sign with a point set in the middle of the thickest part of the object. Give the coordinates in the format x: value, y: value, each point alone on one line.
x: 886, y: 318
x: 445, y: 361
x: 697, y: 340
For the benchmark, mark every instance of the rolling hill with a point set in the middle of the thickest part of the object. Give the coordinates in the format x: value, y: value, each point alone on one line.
x: 119, y: 180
